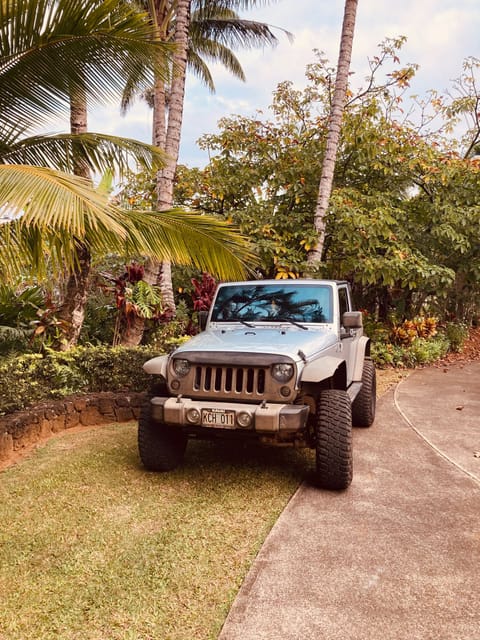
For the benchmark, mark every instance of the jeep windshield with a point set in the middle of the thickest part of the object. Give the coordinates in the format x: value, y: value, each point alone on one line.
x: 291, y: 303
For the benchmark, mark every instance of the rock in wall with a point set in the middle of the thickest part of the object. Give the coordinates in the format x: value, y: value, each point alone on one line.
x: 25, y: 428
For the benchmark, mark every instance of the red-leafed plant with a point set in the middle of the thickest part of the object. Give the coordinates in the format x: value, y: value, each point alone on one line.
x: 203, y: 292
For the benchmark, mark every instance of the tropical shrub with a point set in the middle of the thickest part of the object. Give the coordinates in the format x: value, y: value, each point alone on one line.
x: 425, y: 351
x: 456, y: 333
x: 31, y: 378
x: 408, y: 332
x: 165, y: 337
x: 203, y: 292
x: 419, y: 352
x: 20, y: 312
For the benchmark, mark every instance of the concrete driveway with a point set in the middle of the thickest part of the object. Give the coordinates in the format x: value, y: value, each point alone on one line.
x: 397, y: 556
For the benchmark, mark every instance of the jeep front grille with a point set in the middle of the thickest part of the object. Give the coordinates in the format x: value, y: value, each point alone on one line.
x: 244, y: 381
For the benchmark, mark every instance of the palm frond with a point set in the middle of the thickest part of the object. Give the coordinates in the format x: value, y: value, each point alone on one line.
x: 200, y: 69
x: 99, y: 152
x: 48, y: 198
x: 52, y: 50
x: 171, y: 235
x: 215, y: 31
x: 234, y: 5
x: 235, y: 33
x: 217, y: 52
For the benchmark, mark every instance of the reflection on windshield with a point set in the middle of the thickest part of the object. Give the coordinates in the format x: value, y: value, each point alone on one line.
x: 275, y: 303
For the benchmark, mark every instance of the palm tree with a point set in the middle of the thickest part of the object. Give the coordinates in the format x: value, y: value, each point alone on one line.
x: 201, y: 30
x: 36, y: 39
x: 334, y: 126
x: 39, y: 73
x: 72, y: 310
x: 66, y: 55
x: 169, y: 138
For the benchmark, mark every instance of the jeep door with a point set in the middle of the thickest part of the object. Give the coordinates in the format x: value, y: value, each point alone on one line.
x: 347, y: 338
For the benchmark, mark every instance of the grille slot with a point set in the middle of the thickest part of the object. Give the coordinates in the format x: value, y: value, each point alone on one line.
x: 223, y: 380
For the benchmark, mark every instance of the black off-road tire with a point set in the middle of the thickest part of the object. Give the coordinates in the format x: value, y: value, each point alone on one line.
x: 363, y: 407
x: 161, y: 447
x: 333, y: 440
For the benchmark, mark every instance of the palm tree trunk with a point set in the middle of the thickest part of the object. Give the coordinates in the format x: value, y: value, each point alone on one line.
x: 72, y: 310
x: 167, y: 125
x: 166, y: 175
x: 334, y: 127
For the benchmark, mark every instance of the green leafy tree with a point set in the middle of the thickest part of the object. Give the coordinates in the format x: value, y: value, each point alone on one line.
x: 403, y: 217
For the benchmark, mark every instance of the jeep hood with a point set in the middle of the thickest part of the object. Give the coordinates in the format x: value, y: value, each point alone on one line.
x: 285, y: 341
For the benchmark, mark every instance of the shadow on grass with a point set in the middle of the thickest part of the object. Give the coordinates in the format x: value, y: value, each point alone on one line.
x: 206, y: 458
x: 251, y: 455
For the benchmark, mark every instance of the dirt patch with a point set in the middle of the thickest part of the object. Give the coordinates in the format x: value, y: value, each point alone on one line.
x: 28, y: 449
x: 469, y: 353
x: 388, y: 378
x: 23, y: 431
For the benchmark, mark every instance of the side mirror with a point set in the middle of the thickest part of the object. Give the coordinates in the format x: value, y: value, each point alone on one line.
x: 202, y: 319
x: 352, y: 320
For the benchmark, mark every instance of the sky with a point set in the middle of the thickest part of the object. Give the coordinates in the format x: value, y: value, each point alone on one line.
x: 440, y: 35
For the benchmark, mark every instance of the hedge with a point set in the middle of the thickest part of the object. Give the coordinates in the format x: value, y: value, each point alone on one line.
x: 28, y: 379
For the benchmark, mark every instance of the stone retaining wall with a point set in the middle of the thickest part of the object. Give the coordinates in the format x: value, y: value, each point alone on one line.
x: 24, y: 428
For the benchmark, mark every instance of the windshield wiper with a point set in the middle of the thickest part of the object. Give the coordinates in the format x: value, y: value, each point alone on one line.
x: 297, y: 324
x: 247, y: 324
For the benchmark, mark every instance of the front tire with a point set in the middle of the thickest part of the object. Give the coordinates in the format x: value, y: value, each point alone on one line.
x: 333, y: 440
x: 363, y: 407
x: 161, y: 447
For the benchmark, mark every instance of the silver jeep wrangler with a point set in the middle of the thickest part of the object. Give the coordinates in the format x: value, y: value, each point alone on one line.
x: 282, y: 362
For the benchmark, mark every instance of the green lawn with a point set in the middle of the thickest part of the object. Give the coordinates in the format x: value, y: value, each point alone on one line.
x: 93, y: 547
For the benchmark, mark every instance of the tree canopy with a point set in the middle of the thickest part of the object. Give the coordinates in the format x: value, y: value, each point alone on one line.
x: 404, y: 216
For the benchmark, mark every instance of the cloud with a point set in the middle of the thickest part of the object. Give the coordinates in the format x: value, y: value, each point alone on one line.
x: 137, y: 123
x: 440, y: 35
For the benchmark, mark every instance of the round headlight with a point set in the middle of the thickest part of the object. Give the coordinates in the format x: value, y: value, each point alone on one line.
x: 244, y: 419
x: 282, y: 372
x: 181, y: 367
x: 193, y: 415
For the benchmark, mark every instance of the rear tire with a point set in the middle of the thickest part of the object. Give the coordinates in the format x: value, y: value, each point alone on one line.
x: 363, y: 407
x: 161, y: 447
x: 333, y: 440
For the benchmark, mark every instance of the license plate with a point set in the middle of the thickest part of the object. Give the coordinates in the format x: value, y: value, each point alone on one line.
x: 218, y: 418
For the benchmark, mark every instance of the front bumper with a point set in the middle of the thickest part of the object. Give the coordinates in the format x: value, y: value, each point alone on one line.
x: 264, y: 418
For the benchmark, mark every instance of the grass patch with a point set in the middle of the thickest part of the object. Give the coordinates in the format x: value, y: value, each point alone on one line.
x: 95, y: 548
